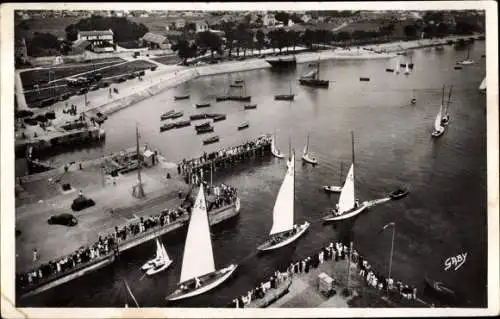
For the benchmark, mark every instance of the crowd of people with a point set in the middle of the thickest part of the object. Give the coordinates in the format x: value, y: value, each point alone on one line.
x: 191, y: 168
x: 333, y: 251
x: 103, y: 247
x: 222, y: 195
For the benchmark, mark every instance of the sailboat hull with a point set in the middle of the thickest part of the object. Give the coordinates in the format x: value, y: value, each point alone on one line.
x: 210, y: 281
x: 270, y: 246
x: 332, y: 189
x: 352, y: 213
x: 306, y: 158
x: 151, y: 271
x: 438, y: 133
x: 150, y: 263
x: 278, y: 155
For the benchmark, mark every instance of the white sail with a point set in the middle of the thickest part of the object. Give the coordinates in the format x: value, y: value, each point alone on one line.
x: 346, y: 199
x: 310, y: 74
x: 407, y: 69
x: 397, y: 66
x: 164, y: 254
x: 198, y: 256
x: 273, y: 145
x: 482, y: 87
x: 283, y: 207
x: 158, y: 249
x: 437, y: 121
x: 306, y: 147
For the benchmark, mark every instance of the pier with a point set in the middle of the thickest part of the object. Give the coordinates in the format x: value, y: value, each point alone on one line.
x: 226, y: 157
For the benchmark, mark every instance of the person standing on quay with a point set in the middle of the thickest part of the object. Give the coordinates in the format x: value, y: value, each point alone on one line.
x: 35, y: 255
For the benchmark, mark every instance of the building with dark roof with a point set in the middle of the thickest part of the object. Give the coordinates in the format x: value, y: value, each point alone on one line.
x: 155, y: 41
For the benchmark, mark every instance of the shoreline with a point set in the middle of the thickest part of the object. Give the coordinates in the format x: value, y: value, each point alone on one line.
x: 166, y: 79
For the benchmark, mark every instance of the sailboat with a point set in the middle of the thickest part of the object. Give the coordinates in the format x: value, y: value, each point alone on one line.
x: 285, y: 97
x: 407, y: 69
x: 198, y: 274
x: 482, y: 86
x: 446, y: 116
x: 242, y: 97
x: 306, y: 156
x: 413, y: 99
x: 348, y: 205
x: 284, y: 231
x: 160, y: 262
x: 439, y: 128
x: 274, y: 150
x: 334, y: 189
x: 312, y: 79
x: 467, y: 60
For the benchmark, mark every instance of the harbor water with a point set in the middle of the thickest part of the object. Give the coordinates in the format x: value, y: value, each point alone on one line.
x: 444, y: 215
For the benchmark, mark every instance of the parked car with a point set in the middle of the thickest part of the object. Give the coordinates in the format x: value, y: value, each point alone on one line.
x: 82, y: 202
x: 94, y: 87
x: 63, y: 219
x: 82, y: 91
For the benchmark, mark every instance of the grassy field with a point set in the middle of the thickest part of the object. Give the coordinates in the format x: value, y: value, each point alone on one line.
x: 168, y: 59
x: 41, y: 76
x: 33, y: 98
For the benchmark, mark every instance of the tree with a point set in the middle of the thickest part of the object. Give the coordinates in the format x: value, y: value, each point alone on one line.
x: 261, y: 39
x: 228, y: 28
x: 184, y: 50
x: 210, y: 41
x: 190, y: 27
x: 410, y: 30
x: 282, y: 16
x: 42, y: 43
x: 308, y: 38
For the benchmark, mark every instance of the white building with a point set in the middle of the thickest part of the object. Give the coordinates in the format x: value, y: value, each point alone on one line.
x: 269, y: 20
x: 96, y: 37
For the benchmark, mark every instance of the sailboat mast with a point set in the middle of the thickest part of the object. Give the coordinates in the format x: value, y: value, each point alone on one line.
x: 353, y: 175
x: 442, y: 95
x: 139, y: 189
x: 449, y: 99
x: 317, y: 70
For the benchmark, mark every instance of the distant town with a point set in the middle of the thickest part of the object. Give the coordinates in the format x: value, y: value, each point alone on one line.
x: 193, y: 33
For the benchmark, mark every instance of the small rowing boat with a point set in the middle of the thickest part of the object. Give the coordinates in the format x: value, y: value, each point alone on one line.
x: 167, y: 115
x: 195, y: 117
x: 250, y: 106
x: 166, y: 127
x: 202, y: 125
x: 211, y: 140
x: 219, y: 117
x: 243, y: 125
x: 236, y: 85
x: 205, y: 129
x: 399, y: 193
x: 182, y: 123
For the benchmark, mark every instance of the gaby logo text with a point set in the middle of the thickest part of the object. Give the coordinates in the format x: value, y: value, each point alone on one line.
x: 455, y: 261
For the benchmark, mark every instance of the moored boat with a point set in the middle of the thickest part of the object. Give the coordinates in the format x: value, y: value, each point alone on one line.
x: 219, y: 117
x: 210, y: 140
x: 284, y: 97
x: 222, y: 98
x: 195, y: 117
x: 284, y: 231
x: 250, y: 106
x: 198, y: 273
x: 180, y: 124
x: 205, y: 129
x: 312, y: 79
x: 236, y: 85
x: 181, y: 97
x: 281, y: 63
x: 166, y: 127
x: 482, y: 86
x: 200, y: 105
x: 239, y: 81
x: 177, y: 115
x: 442, y: 118
x: 364, y: 79
x: 204, y: 124
x: 243, y: 125
x: 167, y: 115
x: 467, y: 60
x: 241, y: 98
